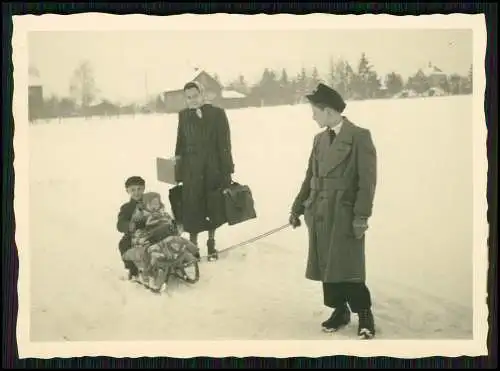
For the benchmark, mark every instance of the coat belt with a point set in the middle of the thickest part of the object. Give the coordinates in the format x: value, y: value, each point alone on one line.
x: 329, y: 184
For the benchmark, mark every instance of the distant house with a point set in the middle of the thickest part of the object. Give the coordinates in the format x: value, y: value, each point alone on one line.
x: 437, y: 78
x: 383, y: 91
x: 35, y: 95
x: 435, y: 92
x: 233, y: 99
x: 173, y: 95
x: 406, y: 93
x: 103, y: 108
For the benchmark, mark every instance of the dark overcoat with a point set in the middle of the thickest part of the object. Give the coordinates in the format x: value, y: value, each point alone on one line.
x: 204, y: 163
x: 339, y: 185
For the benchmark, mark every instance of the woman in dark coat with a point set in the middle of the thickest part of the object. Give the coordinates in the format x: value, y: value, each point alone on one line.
x: 204, y: 163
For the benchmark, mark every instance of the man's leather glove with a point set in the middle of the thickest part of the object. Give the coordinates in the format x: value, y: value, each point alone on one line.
x: 359, y: 225
x: 294, y: 220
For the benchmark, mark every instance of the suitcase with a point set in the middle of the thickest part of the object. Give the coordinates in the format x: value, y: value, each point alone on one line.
x: 239, y: 204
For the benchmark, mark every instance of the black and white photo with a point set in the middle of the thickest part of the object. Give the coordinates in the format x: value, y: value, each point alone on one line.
x: 328, y: 195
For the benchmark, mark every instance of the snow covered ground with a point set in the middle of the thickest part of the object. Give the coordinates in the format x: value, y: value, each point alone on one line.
x: 419, y: 246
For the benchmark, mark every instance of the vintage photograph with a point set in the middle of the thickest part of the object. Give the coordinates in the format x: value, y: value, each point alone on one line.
x: 251, y: 184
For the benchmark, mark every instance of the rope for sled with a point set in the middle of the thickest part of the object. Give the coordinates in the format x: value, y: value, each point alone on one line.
x: 256, y: 238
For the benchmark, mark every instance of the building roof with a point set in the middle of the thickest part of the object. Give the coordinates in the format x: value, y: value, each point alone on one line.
x: 178, y: 78
x: 433, y: 70
x: 232, y: 94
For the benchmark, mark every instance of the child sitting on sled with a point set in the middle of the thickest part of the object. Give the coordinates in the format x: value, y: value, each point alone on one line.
x: 159, y: 239
x: 155, y: 224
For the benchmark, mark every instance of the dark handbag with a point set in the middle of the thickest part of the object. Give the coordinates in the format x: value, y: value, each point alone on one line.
x: 175, y: 198
x: 239, y: 204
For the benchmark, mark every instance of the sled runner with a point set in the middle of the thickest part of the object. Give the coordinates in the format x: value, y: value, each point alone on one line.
x: 173, y: 256
x: 164, y: 269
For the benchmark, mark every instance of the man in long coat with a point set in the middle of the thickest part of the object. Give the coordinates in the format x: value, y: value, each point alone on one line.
x: 204, y: 164
x: 336, y: 199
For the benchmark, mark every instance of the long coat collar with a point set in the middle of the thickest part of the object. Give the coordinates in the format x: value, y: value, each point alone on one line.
x: 335, y: 153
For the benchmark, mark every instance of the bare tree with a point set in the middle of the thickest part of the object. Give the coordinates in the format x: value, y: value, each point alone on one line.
x: 82, y: 87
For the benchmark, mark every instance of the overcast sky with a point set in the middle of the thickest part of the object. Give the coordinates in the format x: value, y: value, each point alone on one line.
x: 122, y: 60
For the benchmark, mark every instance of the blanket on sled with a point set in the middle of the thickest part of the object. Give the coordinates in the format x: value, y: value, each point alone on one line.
x: 172, y: 251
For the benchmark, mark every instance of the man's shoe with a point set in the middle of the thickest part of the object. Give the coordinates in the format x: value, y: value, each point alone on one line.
x: 339, y: 319
x: 366, y: 327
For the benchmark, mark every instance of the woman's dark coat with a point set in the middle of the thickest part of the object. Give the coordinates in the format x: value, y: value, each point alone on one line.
x: 204, y: 163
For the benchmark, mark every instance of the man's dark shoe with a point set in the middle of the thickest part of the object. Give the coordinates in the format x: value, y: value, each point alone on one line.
x: 339, y: 318
x: 366, y: 327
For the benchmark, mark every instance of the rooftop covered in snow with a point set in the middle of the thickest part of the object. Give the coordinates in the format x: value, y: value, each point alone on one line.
x: 176, y: 79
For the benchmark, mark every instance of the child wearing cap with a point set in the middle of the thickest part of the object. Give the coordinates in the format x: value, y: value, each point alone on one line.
x: 130, y: 219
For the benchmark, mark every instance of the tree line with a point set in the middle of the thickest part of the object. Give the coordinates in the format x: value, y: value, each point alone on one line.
x: 357, y: 82
x: 353, y: 82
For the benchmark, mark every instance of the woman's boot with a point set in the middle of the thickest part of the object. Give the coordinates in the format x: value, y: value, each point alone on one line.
x: 212, y: 252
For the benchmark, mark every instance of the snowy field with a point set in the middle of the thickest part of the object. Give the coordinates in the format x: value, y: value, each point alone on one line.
x: 419, y: 246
